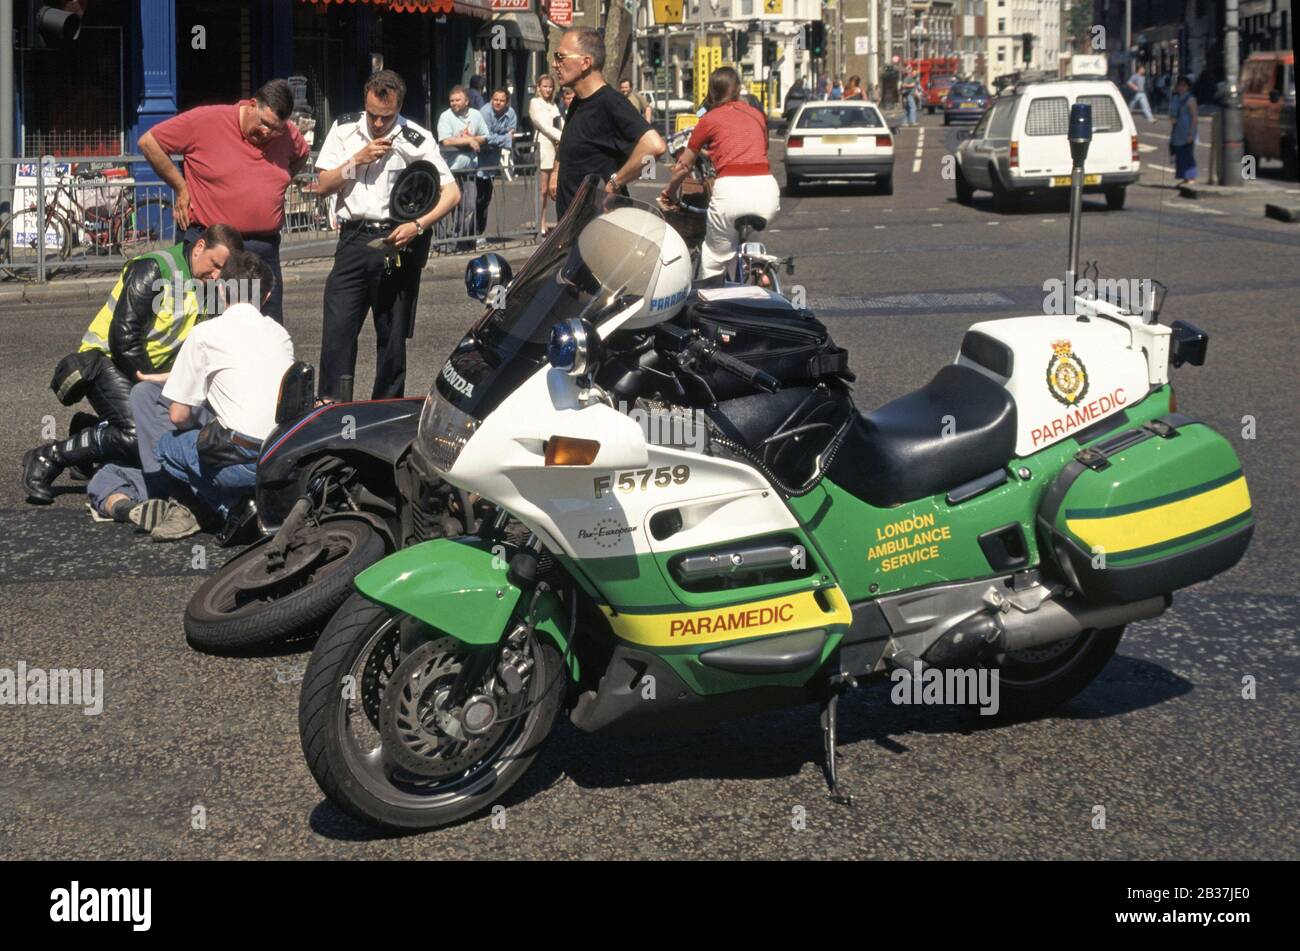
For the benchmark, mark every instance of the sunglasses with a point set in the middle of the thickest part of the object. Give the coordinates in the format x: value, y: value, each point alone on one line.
x: 561, y: 57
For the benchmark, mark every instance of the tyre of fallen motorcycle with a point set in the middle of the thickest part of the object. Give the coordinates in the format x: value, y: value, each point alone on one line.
x: 216, y: 623
x: 1035, y: 682
x: 324, y: 724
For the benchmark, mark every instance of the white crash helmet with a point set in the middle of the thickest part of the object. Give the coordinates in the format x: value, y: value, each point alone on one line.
x: 615, y: 249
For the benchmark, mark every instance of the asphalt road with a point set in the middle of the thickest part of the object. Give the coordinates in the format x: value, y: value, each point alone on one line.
x: 1183, y: 766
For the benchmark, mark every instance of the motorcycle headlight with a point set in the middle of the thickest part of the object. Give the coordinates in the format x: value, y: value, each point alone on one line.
x: 444, y: 431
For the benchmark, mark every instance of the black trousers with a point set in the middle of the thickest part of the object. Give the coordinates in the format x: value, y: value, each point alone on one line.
x: 481, y: 202
x: 379, y: 280
x: 92, y: 375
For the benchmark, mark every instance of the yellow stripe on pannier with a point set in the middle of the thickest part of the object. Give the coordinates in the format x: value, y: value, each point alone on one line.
x: 1116, y: 534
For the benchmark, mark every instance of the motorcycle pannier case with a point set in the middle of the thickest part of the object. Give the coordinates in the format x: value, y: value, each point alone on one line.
x: 1148, y: 511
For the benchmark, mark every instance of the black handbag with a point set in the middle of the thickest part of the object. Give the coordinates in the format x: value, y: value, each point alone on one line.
x: 217, y: 448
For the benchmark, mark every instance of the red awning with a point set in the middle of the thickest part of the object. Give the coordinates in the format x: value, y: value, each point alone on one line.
x: 481, y: 9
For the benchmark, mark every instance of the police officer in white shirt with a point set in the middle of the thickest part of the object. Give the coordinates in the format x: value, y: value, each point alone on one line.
x: 378, y: 260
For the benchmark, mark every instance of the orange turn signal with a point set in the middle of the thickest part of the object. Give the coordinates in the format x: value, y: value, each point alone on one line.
x: 569, y: 451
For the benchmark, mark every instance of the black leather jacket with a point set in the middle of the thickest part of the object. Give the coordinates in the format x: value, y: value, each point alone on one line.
x: 133, y: 318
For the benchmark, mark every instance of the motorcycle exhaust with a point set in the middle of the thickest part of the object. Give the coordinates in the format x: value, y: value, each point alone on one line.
x: 967, y: 642
x: 1057, y: 620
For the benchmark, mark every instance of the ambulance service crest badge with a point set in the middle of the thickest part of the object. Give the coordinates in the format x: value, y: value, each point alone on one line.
x: 1067, y: 377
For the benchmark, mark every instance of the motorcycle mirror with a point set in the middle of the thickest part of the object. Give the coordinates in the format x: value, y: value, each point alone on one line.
x: 484, y: 273
x: 1188, y: 344
x: 297, y: 392
x: 574, y: 347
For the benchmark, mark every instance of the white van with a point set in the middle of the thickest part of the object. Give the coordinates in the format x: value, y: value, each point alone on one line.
x: 1021, y: 145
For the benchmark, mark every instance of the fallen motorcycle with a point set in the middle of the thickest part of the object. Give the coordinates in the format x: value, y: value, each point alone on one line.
x: 334, y: 495
x: 1014, y: 513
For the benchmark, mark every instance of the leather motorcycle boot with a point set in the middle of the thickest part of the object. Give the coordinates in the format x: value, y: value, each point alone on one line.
x: 40, y: 468
x: 81, y: 421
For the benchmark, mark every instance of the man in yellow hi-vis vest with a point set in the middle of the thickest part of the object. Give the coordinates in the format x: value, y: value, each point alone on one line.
x: 135, y: 336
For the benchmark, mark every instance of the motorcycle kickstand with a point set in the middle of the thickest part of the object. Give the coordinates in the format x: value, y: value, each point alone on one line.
x: 830, y: 705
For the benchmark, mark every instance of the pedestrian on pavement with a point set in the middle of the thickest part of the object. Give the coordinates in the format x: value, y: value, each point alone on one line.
x: 239, y: 160
x: 625, y: 87
x: 501, y: 122
x: 735, y: 135
x: 567, y: 95
x: 135, y: 336
x: 462, y: 133
x: 907, y: 89
x: 544, y: 114
x: 475, y: 93
x: 603, y: 134
x: 1138, y: 83
x: 854, y: 89
x: 378, y: 260
x: 232, y: 364
x: 795, y: 98
x: 1182, y: 135
x: 837, y: 91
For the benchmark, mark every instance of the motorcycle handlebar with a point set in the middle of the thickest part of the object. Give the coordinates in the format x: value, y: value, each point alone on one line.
x: 746, y: 372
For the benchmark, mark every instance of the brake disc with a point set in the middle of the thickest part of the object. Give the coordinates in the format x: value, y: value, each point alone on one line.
x: 420, y: 732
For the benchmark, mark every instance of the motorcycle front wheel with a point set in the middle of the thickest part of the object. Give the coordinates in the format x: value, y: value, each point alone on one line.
x: 380, y: 741
x: 249, y: 603
x: 1034, y: 682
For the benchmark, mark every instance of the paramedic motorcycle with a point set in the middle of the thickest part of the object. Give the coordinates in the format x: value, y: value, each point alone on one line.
x: 1017, y: 511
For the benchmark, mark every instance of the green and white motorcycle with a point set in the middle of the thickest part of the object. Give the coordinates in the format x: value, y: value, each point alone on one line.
x: 686, y: 519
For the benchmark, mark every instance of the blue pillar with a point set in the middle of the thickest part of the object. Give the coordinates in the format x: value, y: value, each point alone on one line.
x: 154, y: 40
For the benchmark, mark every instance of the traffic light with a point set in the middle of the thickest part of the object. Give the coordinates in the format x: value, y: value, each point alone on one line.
x: 49, y: 28
x: 769, y: 52
x: 656, y: 53
x: 814, y: 38
x: 1027, y: 41
x: 742, y: 44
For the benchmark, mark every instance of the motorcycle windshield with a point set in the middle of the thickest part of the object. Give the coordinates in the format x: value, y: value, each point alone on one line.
x: 600, y: 260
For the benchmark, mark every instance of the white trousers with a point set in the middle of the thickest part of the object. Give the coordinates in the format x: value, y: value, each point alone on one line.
x: 734, y: 196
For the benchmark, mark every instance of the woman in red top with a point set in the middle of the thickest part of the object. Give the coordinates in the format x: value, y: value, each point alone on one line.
x: 735, y: 135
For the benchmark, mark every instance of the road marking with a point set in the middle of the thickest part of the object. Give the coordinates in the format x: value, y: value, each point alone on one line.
x: 1049, y: 221
x: 774, y: 231
x: 823, y: 229
x: 935, y: 224
x: 992, y: 223
x: 1144, y: 147
x: 920, y: 142
x: 878, y: 227
x: 1159, y: 168
x: 1198, y: 209
x: 932, y: 209
x: 930, y: 301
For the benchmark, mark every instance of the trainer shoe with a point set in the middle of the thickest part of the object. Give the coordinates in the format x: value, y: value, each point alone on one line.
x: 147, y: 515
x: 179, y: 522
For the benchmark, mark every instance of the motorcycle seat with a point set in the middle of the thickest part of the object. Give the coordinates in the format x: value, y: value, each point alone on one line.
x: 959, y: 426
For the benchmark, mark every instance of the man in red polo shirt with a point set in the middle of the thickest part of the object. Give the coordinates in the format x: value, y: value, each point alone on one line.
x: 239, y: 160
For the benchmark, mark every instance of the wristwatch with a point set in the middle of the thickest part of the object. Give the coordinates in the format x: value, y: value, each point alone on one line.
x: 613, y: 180
x: 419, y: 228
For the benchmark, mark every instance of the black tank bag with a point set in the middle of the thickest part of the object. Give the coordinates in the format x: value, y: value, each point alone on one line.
x: 791, y: 344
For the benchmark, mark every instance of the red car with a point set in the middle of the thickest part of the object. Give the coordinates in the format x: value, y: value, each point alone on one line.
x: 936, y: 92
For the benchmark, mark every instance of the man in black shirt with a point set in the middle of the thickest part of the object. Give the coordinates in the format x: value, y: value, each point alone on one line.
x: 603, y: 133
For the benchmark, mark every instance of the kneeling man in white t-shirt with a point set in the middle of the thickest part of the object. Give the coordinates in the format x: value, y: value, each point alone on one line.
x: 233, y: 363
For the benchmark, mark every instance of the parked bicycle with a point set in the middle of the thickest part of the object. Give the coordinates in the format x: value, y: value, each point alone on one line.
x: 123, y: 225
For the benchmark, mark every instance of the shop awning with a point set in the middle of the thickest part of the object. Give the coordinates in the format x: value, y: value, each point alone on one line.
x: 524, y: 27
x: 481, y: 9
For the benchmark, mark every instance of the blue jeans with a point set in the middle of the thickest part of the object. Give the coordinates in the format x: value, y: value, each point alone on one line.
x: 909, y: 104
x: 220, y: 488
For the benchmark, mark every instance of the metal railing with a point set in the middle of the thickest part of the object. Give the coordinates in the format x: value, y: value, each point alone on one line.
x: 74, y: 215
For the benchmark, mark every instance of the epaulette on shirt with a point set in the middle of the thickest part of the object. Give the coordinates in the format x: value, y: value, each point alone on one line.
x: 348, y: 118
x: 415, y: 138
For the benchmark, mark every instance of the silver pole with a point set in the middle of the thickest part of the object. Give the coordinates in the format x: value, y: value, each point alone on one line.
x: 7, y: 151
x: 1233, y: 146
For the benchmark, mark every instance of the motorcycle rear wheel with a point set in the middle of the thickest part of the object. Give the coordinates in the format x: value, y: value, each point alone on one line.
x: 1034, y: 682
x: 340, y: 728
x: 227, y: 613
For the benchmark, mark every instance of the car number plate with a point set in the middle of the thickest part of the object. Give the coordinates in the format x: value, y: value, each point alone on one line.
x: 1063, y: 181
x: 970, y: 105
x: 839, y: 139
